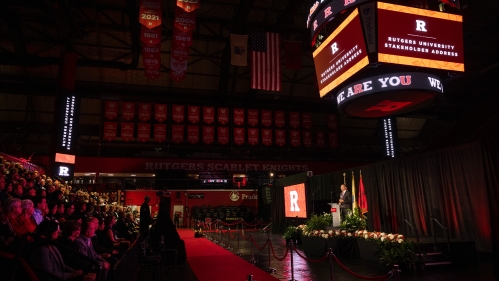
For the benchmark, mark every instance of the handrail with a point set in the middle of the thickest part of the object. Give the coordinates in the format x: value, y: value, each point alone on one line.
x: 127, y: 265
x: 413, y: 228
x: 434, y: 220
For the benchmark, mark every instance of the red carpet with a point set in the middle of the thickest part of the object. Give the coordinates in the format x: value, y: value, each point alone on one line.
x: 211, y: 262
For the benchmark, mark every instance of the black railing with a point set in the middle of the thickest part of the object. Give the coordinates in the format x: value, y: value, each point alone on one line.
x: 435, y: 221
x: 414, y: 229
x: 126, y: 268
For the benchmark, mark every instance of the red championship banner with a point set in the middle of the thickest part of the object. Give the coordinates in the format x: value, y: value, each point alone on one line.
x: 294, y: 120
x: 253, y: 117
x: 267, y: 118
x: 294, y: 137
x: 127, y: 110
x: 188, y: 5
x: 110, y: 129
x: 150, y: 36
x: 152, y: 74
x: 208, y: 114
x: 333, y: 139
x: 307, y: 138
x: 151, y: 56
x: 143, y: 132
x: 238, y: 136
x: 208, y: 134
x: 177, y: 76
x: 144, y: 112
x: 279, y: 119
x: 160, y: 133
x: 223, y: 135
x: 332, y: 121
x: 127, y: 131
x: 193, y: 134
x: 182, y: 39
x: 177, y: 133
x: 193, y: 114
x: 223, y: 115
x: 306, y: 120
x: 111, y: 110
x: 267, y: 137
x: 280, y: 137
x: 253, y: 136
x: 184, y: 21
x: 238, y: 116
x: 178, y: 113
x: 320, y: 138
x: 178, y: 66
x: 160, y: 112
x: 150, y: 13
x: 180, y: 53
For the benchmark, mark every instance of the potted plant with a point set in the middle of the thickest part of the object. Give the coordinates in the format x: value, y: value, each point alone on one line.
x: 291, y: 234
x: 404, y: 253
x: 354, y: 221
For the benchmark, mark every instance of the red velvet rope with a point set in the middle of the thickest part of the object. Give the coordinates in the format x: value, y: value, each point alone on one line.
x: 249, y: 223
x: 263, y: 247
x: 244, y: 237
x: 233, y: 237
x: 234, y: 223
x: 279, y: 259
x: 310, y: 260
x: 384, y: 277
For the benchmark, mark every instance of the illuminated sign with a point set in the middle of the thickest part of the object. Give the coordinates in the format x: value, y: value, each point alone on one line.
x: 422, y: 38
x: 295, y: 201
x: 341, y: 55
x: 64, y: 158
x: 214, y: 181
x: 65, y: 171
x: 390, y: 137
x: 70, y: 105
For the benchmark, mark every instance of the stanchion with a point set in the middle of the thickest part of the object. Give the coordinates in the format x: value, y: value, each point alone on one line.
x: 331, y: 264
x: 238, y: 252
x: 397, y: 272
x: 228, y: 244
x: 252, y: 260
x: 292, y: 266
x: 269, y: 269
x: 221, y: 236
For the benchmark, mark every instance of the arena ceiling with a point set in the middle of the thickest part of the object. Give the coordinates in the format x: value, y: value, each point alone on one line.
x: 105, y: 36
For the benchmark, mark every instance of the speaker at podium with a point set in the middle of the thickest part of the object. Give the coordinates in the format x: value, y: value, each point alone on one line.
x: 335, y: 212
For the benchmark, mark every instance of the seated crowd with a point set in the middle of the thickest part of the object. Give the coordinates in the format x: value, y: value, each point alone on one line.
x: 60, y: 225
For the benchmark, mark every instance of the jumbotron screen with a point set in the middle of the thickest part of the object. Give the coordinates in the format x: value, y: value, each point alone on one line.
x: 295, y: 201
x: 422, y: 38
x: 341, y: 55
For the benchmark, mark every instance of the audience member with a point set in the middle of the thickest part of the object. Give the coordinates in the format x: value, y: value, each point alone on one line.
x: 25, y: 222
x: 40, y: 203
x: 84, y: 243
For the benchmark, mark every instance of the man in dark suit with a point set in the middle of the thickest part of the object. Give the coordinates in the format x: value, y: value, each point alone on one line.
x: 85, y: 246
x: 345, y: 202
x: 145, y: 217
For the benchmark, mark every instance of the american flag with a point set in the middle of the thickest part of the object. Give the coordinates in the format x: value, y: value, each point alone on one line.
x: 265, y: 61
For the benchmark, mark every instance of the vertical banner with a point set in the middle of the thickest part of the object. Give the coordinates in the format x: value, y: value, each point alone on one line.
x: 267, y: 137
x: 279, y: 119
x: 280, y: 137
x: 150, y: 13
x: 188, y: 5
x: 176, y: 75
x: 127, y: 110
x: 127, y: 131
x: 178, y: 113
x: 307, y: 138
x: 184, y: 21
x: 110, y: 129
x: 252, y: 117
x: 333, y: 139
x: 150, y: 36
x: 320, y: 138
x: 208, y: 134
x: 238, y: 116
x: 193, y: 114
x: 332, y: 121
x: 177, y: 133
x: 178, y: 66
x: 152, y: 74
x: 223, y: 115
x: 294, y: 137
x: 151, y: 57
x: 223, y: 135
x: 144, y: 112
x: 143, y: 132
x: 193, y: 134
x: 111, y: 110
x: 160, y: 133
x: 182, y: 39
x: 160, y: 112
x: 294, y: 120
x: 267, y: 118
x: 238, y: 136
x: 253, y: 136
x: 208, y: 114
x: 306, y: 120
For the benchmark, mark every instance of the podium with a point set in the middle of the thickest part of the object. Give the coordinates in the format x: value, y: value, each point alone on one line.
x: 335, y: 211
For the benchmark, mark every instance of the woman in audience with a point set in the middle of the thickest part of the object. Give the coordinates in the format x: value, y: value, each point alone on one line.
x: 110, y: 236
x: 70, y: 231
x: 52, y: 206
x: 59, y: 216
x: 25, y: 222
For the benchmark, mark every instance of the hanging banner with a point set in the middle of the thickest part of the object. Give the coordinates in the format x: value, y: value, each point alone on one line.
x: 252, y: 136
x: 333, y: 139
x: 151, y: 56
x: 144, y: 112
x: 150, y: 13
x: 252, y: 117
x: 294, y: 120
x: 306, y: 120
x: 320, y: 138
x: 150, y: 36
x: 177, y: 76
x: 280, y: 137
x: 177, y: 133
x: 193, y: 134
x: 178, y: 66
x: 160, y: 133
x: 111, y: 110
x: 223, y: 115
x: 180, y: 53
x: 208, y: 134
x: 223, y: 135
x: 127, y: 110
x: 193, y: 114
x: 184, y: 21
x: 152, y: 74
x: 332, y: 121
x: 178, y: 113
x: 267, y: 118
x: 188, y: 5
x: 307, y: 138
x: 182, y: 39
x: 160, y: 112
x: 267, y: 137
x: 127, y: 130
x: 143, y: 132
x: 279, y: 119
x: 238, y: 136
x: 208, y: 114
x: 110, y: 129
x: 238, y: 116
x: 294, y: 137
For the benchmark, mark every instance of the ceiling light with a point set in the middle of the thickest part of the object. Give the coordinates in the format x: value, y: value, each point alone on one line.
x: 133, y: 175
